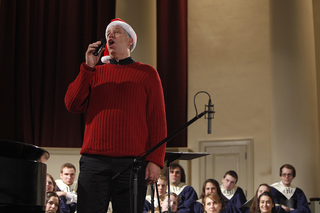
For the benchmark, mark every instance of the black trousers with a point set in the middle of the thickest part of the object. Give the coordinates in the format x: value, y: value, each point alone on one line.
x: 95, y: 187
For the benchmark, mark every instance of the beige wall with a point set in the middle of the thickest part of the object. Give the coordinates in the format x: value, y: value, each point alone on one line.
x: 257, y: 60
x: 316, y: 15
x: 230, y: 57
x: 59, y: 156
x: 294, y: 92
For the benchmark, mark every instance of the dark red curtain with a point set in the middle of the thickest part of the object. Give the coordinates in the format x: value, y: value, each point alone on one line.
x: 42, y: 44
x: 172, y: 64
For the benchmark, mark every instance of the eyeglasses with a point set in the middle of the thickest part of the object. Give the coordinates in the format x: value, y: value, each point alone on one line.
x: 284, y: 174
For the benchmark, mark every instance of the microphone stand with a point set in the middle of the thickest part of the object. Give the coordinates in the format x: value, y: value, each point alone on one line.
x: 152, y: 197
x: 136, y: 163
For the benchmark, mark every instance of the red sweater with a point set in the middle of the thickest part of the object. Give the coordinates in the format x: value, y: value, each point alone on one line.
x: 125, y: 110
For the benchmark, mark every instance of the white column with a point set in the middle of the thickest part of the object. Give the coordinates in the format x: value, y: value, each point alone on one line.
x: 294, y: 113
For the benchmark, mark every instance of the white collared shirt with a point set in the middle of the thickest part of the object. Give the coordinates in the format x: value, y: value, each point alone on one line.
x: 71, y: 190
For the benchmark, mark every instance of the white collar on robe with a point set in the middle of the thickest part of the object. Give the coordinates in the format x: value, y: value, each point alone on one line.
x: 178, y: 189
x: 286, y: 191
x: 228, y: 193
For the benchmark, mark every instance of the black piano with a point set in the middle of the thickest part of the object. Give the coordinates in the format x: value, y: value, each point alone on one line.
x: 23, y: 177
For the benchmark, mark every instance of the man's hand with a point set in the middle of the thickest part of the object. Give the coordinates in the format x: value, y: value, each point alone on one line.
x: 152, y: 173
x: 61, y: 194
x: 92, y: 60
x: 287, y: 209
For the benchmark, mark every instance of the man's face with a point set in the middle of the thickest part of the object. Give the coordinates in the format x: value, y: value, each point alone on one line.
x: 118, y: 42
x: 286, y: 176
x: 68, y: 175
x: 210, y: 187
x: 162, y: 186
x: 229, y: 182
x: 175, y: 176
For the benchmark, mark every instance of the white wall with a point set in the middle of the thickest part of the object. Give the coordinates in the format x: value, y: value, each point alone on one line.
x: 141, y: 15
x: 59, y: 156
x: 257, y: 60
x: 230, y: 57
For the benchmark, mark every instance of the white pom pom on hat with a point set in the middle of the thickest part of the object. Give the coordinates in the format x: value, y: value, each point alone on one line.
x: 119, y: 22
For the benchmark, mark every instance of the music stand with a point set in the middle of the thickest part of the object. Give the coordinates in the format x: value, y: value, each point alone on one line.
x: 172, y: 156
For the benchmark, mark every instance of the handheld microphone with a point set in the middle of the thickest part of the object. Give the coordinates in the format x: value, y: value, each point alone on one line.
x: 210, y: 115
x: 99, y: 48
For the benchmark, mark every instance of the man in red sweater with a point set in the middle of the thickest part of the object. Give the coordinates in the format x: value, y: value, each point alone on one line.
x: 125, y: 110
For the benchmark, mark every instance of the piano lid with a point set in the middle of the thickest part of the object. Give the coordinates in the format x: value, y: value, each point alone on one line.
x: 23, y: 181
x: 19, y: 150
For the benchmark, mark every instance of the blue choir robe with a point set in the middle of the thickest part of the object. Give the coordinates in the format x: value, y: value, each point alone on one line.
x: 235, y: 196
x: 187, y: 196
x: 245, y: 208
x: 147, y: 203
x: 292, y: 197
x: 64, y: 207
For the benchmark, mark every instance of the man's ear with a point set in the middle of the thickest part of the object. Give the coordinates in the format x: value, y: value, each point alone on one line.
x: 130, y: 41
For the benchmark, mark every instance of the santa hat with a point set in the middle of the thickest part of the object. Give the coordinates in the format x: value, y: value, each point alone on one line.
x: 128, y: 29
